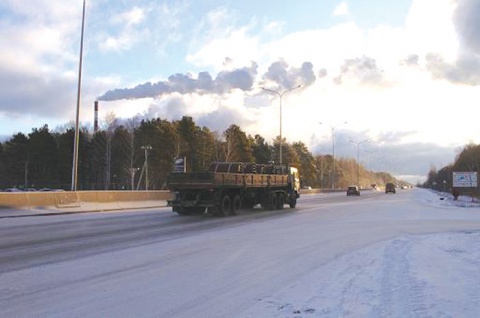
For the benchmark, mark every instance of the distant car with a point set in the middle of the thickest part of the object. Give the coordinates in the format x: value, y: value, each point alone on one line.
x: 51, y: 190
x: 12, y: 190
x: 353, y: 190
x: 390, y: 187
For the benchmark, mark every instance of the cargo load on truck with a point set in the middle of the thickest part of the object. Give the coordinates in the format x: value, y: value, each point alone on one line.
x: 228, y: 187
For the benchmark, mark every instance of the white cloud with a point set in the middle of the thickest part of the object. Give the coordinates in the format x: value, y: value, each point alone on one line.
x: 411, y: 101
x: 236, y: 45
x: 121, y: 42
x: 400, y: 94
x: 125, y: 30
x: 273, y: 28
x: 45, y: 35
x: 130, y: 18
x: 401, y: 97
x: 45, y: 11
x: 36, y: 60
x: 429, y: 28
x: 341, y: 9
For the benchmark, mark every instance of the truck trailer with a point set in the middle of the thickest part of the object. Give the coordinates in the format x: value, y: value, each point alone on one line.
x: 228, y: 187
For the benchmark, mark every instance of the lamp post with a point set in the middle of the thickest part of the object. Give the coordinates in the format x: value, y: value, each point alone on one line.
x: 333, y: 151
x: 358, y: 158
x: 146, y: 148
x: 77, y: 129
x: 280, y: 95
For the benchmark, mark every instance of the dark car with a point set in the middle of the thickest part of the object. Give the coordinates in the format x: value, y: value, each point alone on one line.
x: 12, y: 190
x: 390, y: 187
x: 353, y: 190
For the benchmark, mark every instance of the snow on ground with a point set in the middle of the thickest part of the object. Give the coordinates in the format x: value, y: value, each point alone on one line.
x: 443, y: 200
x: 416, y: 276
x: 429, y: 275
x: 411, y: 275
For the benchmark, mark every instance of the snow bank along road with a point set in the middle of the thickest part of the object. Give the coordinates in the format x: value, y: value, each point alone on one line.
x: 403, y: 255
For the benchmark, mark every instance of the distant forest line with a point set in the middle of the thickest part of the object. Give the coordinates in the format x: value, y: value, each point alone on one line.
x: 467, y: 160
x: 113, y: 158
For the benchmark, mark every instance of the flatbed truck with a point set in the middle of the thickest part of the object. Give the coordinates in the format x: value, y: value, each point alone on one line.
x: 227, y: 187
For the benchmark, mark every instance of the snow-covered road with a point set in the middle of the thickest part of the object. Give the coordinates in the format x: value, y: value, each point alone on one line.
x: 403, y: 255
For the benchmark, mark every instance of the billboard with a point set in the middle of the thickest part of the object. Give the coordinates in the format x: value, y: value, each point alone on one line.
x: 465, y: 179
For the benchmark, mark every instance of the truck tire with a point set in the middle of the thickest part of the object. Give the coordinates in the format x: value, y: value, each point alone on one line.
x: 225, y: 205
x: 190, y: 210
x: 236, y: 204
x: 280, y: 201
x: 182, y: 211
x: 273, y: 201
x: 293, y: 203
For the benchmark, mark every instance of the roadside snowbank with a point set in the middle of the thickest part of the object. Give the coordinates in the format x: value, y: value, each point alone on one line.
x: 413, y: 276
x: 429, y: 275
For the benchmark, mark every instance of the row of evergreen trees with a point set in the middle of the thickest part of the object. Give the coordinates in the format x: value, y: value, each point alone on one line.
x: 114, y: 157
x: 468, y: 159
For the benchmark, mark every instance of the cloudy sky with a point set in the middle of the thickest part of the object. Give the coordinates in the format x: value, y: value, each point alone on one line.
x: 403, y: 74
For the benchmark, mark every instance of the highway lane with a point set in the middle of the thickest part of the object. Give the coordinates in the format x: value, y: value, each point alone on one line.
x: 155, y: 263
x: 41, y: 240
x: 69, y: 237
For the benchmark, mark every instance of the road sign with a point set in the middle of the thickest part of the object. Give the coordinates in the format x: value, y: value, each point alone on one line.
x: 180, y: 165
x: 465, y: 179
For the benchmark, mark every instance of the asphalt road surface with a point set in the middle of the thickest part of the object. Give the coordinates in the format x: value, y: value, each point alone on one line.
x: 154, y: 263
x: 41, y: 240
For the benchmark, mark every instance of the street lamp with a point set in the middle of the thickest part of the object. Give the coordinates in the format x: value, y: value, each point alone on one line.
x: 333, y: 151
x: 358, y: 158
x: 146, y: 148
x: 77, y: 129
x: 280, y: 95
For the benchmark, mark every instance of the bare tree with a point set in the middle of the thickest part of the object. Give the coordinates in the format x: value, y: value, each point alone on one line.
x: 131, y: 125
x: 110, y: 123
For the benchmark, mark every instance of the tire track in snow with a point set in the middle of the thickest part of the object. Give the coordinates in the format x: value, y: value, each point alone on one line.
x: 401, y: 293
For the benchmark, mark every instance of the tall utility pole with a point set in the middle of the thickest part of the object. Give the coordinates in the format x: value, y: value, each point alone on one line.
x: 77, y: 130
x: 280, y: 95
x: 333, y: 152
x: 358, y: 158
x: 146, y: 148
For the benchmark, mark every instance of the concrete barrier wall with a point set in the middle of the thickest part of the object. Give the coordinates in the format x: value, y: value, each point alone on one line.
x: 68, y: 199
x: 74, y: 199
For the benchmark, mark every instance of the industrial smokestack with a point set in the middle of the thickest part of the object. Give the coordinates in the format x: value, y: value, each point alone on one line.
x: 95, y: 119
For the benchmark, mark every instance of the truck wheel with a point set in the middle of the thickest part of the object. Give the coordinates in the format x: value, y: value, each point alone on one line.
x: 198, y: 210
x: 182, y: 211
x: 225, y: 205
x: 237, y: 204
x: 280, y: 201
x: 273, y: 201
x: 293, y: 203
